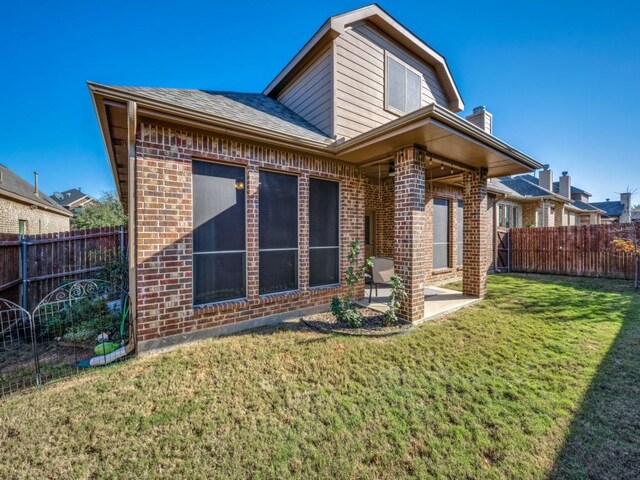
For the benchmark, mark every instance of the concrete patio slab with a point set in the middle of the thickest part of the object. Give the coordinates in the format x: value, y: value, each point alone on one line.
x: 437, y: 301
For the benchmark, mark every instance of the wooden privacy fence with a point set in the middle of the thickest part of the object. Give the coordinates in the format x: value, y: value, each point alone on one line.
x: 31, y: 266
x: 582, y: 250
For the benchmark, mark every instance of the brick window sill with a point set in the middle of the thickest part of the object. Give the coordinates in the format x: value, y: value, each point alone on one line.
x: 222, y: 306
x: 268, y: 298
x: 325, y: 288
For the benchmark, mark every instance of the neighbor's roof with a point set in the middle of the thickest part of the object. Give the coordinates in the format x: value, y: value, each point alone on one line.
x: 496, y: 185
x: 586, y: 206
x: 19, y: 189
x: 69, y: 197
x: 375, y: 15
x: 612, y: 209
x: 556, y: 189
x: 524, y: 187
x: 253, y: 109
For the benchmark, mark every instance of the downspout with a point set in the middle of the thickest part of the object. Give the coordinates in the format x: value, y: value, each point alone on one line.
x: 131, y: 194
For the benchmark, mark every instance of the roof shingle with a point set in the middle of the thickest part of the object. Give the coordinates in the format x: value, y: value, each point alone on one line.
x: 12, y: 183
x: 254, y: 109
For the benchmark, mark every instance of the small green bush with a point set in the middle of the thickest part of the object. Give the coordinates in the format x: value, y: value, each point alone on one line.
x: 397, y: 296
x: 343, y: 308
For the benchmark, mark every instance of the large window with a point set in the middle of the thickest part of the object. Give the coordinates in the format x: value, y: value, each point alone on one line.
x: 324, y: 226
x: 278, y: 232
x: 403, y: 87
x: 460, y: 231
x: 440, y: 233
x: 219, y: 237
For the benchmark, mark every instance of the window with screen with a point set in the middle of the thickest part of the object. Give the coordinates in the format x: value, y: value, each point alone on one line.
x: 460, y: 231
x: 219, y: 232
x: 440, y: 233
x: 278, y: 232
x: 403, y: 87
x: 507, y: 216
x: 324, y: 235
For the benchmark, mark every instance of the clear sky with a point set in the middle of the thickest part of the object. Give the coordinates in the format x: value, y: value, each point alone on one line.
x: 561, y: 78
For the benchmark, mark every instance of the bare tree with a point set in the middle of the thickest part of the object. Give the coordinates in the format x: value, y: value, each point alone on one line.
x: 628, y: 242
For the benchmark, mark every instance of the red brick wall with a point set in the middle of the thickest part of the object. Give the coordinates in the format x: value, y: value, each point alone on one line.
x: 381, y: 199
x: 476, y: 233
x: 164, y: 219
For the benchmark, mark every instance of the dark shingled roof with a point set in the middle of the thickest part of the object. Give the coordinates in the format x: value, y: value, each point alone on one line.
x: 521, y: 185
x: 12, y: 183
x: 556, y: 185
x: 556, y: 189
x: 69, y: 196
x: 253, y: 109
x: 585, y: 206
x: 613, y: 209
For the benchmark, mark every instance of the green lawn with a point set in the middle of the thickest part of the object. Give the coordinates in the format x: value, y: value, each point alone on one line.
x: 540, y: 380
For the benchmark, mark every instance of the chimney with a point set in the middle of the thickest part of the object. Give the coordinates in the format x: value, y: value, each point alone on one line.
x: 482, y: 119
x: 36, y: 190
x: 625, y: 199
x: 546, y: 178
x: 565, y: 185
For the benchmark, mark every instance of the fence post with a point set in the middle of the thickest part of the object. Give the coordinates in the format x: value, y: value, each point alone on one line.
x: 24, y: 294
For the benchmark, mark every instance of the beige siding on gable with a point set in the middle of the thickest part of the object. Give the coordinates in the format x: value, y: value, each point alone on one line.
x: 310, y: 94
x: 360, y: 76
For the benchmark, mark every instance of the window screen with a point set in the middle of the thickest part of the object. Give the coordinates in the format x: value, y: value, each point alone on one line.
x: 219, y: 232
x: 403, y: 87
x: 324, y: 238
x: 278, y: 232
x: 460, y: 232
x: 440, y: 233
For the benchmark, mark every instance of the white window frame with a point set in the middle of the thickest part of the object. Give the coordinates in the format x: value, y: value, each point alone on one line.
x: 407, y: 67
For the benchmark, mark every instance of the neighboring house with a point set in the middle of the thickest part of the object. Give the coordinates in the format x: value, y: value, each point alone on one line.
x: 26, y: 210
x: 73, y: 200
x: 525, y: 200
x: 617, y: 211
x: 242, y: 206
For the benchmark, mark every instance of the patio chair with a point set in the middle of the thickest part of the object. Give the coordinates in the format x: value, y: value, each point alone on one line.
x: 381, y: 274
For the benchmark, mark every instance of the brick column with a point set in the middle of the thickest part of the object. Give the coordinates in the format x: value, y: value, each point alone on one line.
x: 475, y: 234
x: 303, y: 239
x: 253, y: 255
x: 409, y: 235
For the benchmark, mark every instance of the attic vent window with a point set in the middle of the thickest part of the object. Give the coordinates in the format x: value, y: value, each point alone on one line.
x: 403, y: 87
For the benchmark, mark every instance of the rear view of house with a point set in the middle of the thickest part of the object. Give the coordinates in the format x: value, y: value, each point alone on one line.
x: 242, y: 205
x: 26, y: 210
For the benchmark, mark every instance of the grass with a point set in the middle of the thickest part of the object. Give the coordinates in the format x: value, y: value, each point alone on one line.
x: 540, y: 380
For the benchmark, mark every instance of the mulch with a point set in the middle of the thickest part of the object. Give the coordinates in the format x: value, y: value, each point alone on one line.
x: 372, y: 324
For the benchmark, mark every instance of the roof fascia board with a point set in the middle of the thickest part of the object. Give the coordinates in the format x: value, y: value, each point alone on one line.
x: 321, y: 36
x: 101, y: 113
x: 171, y: 113
x: 446, y: 120
x: 28, y: 201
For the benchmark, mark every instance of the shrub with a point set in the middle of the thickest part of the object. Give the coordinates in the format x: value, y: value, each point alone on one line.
x: 397, y: 296
x: 343, y: 308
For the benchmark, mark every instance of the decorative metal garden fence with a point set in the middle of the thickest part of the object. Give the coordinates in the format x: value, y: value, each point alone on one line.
x: 79, y: 326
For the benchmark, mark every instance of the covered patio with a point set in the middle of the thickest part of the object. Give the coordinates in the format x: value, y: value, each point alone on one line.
x: 427, y: 206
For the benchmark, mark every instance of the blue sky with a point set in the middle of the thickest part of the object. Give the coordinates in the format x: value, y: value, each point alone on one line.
x: 561, y: 78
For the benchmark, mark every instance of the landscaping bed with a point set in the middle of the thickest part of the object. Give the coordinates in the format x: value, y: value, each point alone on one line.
x: 372, y: 324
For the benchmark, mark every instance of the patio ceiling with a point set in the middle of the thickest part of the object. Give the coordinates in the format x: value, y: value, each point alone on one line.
x: 445, y: 137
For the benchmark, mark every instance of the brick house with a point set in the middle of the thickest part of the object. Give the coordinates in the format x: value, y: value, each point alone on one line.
x: 242, y: 206
x: 529, y: 201
x: 25, y: 209
x: 618, y: 211
x: 73, y: 199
